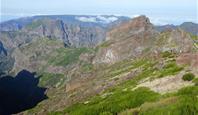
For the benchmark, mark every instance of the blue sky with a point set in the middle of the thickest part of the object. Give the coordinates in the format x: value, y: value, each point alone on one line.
x: 160, y: 11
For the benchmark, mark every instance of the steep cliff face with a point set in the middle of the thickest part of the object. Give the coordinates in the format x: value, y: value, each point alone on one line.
x: 71, y: 35
x: 6, y: 61
x: 137, y: 38
x: 74, y: 31
x: 128, y: 40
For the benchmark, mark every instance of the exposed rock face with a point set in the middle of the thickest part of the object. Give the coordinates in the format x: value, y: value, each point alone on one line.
x: 6, y: 61
x: 74, y: 31
x: 190, y: 59
x: 176, y: 41
x: 46, y: 28
x: 127, y: 40
x: 138, y: 38
x: 71, y: 35
x: 133, y: 27
x: 2, y: 49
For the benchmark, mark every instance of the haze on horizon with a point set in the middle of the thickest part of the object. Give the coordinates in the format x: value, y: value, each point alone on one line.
x: 159, y: 11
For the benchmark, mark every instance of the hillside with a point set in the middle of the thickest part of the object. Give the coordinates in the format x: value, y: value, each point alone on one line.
x: 122, y: 67
x: 186, y: 26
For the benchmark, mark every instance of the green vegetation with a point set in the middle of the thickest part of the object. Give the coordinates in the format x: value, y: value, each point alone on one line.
x: 162, y: 39
x: 114, y: 103
x: 188, y: 77
x: 86, y: 67
x: 171, y: 68
x: 122, y: 67
x: 124, y: 96
x: 184, y: 102
x: 50, y: 79
x: 194, y: 37
x: 34, y: 24
x: 141, y: 101
x: 127, y: 66
x: 167, y: 54
x: 66, y: 56
x: 115, y: 99
x: 195, y: 81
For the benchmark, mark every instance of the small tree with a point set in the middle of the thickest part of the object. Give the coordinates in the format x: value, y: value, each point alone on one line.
x: 188, y: 77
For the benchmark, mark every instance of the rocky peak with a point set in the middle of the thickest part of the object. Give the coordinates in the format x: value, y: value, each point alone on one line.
x: 139, y: 22
x: 138, y: 38
x: 135, y: 26
x: 127, y: 40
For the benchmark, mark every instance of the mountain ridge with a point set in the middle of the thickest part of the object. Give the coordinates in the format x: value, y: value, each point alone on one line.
x: 121, y: 67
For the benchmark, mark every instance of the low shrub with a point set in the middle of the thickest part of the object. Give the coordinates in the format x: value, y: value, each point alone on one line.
x: 188, y: 77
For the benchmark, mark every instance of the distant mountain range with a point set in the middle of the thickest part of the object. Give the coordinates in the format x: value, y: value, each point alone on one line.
x: 73, y: 30
x: 187, y: 26
x: 89, y: 20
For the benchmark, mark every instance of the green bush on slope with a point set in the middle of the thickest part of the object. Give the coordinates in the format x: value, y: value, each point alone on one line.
x: 170, y: 69
x: 188, y: 77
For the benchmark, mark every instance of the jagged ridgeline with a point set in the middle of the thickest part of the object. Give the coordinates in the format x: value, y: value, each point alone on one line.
x: 104, y: 64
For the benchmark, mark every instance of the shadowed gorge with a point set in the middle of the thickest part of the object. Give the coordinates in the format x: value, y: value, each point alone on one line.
x: 20, y: 93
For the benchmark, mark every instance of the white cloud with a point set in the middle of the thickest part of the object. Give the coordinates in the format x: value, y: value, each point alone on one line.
x: 97, y: 19
x: 135, y: 15
x: 86, y: 19
x: 162, y: 20
x: 107, y: 19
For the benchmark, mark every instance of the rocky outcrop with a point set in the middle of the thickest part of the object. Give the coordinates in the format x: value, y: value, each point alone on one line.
x: 138, y: 38
x: 177, y: 41
x: 128, y: 40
